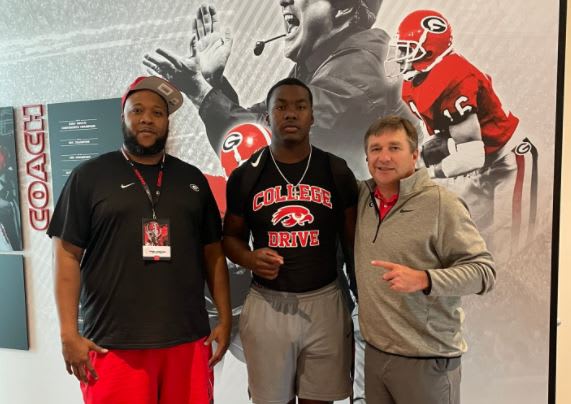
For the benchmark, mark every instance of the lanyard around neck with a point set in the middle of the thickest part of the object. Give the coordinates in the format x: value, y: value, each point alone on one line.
x: 153, y: 199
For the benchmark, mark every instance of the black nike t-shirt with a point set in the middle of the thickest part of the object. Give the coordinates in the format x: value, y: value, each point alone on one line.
x: 126, y: 302
x: 301, y: 223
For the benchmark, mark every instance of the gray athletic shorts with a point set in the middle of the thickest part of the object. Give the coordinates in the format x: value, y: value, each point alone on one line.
x: 392, y: 379
x: 297, y: 344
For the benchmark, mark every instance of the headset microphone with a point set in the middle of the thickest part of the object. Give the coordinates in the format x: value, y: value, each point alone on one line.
x: 259, y: 48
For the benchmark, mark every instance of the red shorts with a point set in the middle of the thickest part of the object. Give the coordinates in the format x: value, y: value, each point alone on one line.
x: 175, y: 375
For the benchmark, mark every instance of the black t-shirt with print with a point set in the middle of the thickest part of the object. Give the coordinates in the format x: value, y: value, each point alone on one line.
x: 126, y: 302
x: 302, y: 227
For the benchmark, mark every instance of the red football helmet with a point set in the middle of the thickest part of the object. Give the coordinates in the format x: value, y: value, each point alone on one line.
x: 240, y: 143
x: 423, y: 38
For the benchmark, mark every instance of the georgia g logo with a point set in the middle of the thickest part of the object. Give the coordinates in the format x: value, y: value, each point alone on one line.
x: 523, y: 148
x: 240, y: 143
x: 434, y: 24
x: 231, y: 142
x: 292, y: 215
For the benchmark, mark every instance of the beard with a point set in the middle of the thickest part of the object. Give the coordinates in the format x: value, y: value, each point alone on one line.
x: 133, y: 146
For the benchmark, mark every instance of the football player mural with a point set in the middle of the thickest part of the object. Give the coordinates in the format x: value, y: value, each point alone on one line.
x: 473, y: 143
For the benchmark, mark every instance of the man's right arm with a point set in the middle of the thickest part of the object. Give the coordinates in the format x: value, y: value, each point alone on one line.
x: 75, y: 348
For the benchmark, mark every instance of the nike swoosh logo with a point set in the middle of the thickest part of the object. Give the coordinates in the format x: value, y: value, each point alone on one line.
x: 123, y: 186
x: 255, y: 163
x: 406, y: 210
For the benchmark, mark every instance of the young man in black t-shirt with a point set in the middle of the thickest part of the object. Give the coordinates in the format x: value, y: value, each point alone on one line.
x: 145, y: 337
x: 295, y: 201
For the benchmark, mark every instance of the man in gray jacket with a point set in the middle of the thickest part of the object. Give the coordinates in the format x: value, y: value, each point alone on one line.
x: 417, y: 252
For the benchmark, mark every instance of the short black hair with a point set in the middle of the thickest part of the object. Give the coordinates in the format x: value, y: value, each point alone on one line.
x: 289, y: 81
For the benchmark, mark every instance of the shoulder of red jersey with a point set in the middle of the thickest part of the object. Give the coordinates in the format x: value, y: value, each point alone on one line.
x: 452, y: 76
x: 448, y: 74
x: 452, y: 71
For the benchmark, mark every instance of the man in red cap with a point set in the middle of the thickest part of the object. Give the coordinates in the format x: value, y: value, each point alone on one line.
x: 145, y: 337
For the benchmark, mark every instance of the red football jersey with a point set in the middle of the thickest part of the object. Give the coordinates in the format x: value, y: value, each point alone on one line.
x: 452, y: 90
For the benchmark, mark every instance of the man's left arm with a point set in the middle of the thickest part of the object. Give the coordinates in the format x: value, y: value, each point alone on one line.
x: 468, y: 267
x: 219, y: 286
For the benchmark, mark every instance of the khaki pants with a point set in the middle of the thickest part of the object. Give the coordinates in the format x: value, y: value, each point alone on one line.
x: 393, y: 379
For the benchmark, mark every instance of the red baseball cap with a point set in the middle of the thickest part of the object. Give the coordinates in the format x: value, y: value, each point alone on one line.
x: 163, y: 88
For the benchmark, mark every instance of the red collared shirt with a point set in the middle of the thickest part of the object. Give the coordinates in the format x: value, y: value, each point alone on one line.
x: 385, y: 205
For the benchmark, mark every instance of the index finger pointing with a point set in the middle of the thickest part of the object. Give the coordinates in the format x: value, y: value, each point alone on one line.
x: 384, y: 264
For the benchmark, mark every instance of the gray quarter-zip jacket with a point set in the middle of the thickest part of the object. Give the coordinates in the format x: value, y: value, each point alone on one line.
x: 429, y: 229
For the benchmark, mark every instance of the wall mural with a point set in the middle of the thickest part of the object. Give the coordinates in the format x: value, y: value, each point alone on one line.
x: 477, y: 78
